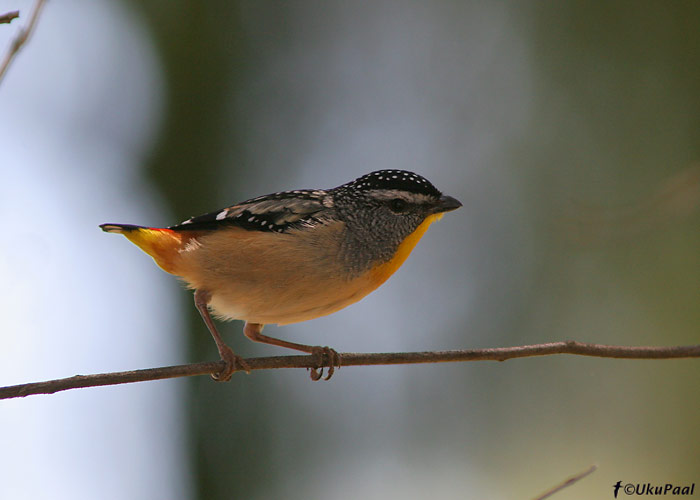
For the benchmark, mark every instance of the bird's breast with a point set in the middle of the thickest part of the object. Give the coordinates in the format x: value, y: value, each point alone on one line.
x: 269, y: 277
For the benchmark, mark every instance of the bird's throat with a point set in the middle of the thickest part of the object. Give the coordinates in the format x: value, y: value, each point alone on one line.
x: 382, y: 272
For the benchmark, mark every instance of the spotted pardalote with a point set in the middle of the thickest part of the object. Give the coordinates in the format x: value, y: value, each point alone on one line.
x: 294, y: 255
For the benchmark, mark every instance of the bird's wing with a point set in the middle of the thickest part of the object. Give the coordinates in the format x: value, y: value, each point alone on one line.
x: 276, y: 212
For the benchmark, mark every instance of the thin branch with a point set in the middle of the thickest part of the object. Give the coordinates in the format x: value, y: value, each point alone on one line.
x: 355, y: 359
x: 567, y: 483
x: 8, y: 17
x: 21, y: 38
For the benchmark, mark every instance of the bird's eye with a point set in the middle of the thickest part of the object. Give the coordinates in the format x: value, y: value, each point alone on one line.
x: 398, y: 205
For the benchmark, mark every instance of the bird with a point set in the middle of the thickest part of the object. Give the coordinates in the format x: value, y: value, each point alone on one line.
x: 293, y: 256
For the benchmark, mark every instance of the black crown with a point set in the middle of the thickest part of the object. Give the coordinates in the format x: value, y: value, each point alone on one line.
x: 402, y: 180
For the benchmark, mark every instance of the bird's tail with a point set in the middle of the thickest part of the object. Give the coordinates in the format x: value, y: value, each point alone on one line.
x: 160, y: 243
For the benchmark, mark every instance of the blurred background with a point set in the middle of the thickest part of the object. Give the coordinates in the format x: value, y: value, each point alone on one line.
x: 569, y: 130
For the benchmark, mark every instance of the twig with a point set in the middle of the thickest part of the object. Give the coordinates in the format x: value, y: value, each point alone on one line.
x: 567, y: 483
x: 21, y: 37
x: 8, y: 17
x: 355, y: 359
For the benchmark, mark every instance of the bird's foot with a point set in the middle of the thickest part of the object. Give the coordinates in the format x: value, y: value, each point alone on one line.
x: 234, y: 363
x: 325, y: 356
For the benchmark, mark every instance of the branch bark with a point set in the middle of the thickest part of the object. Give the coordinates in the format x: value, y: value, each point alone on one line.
x: 568, y: 482
x: 7, y: 17
x: 356, y: 359
x: 21, y: 37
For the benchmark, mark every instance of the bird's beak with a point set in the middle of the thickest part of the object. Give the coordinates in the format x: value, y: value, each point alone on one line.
x: 446, y: 204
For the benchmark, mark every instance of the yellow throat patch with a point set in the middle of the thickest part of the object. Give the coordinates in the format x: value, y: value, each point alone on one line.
x: 382, y: 272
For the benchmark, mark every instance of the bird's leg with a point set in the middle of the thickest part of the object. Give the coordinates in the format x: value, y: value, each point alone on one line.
x: 233, y: 361
x: 254, y: 332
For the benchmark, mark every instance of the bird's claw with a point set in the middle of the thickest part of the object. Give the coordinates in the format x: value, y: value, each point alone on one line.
x: 326, y: 356
x: 234, y: 363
